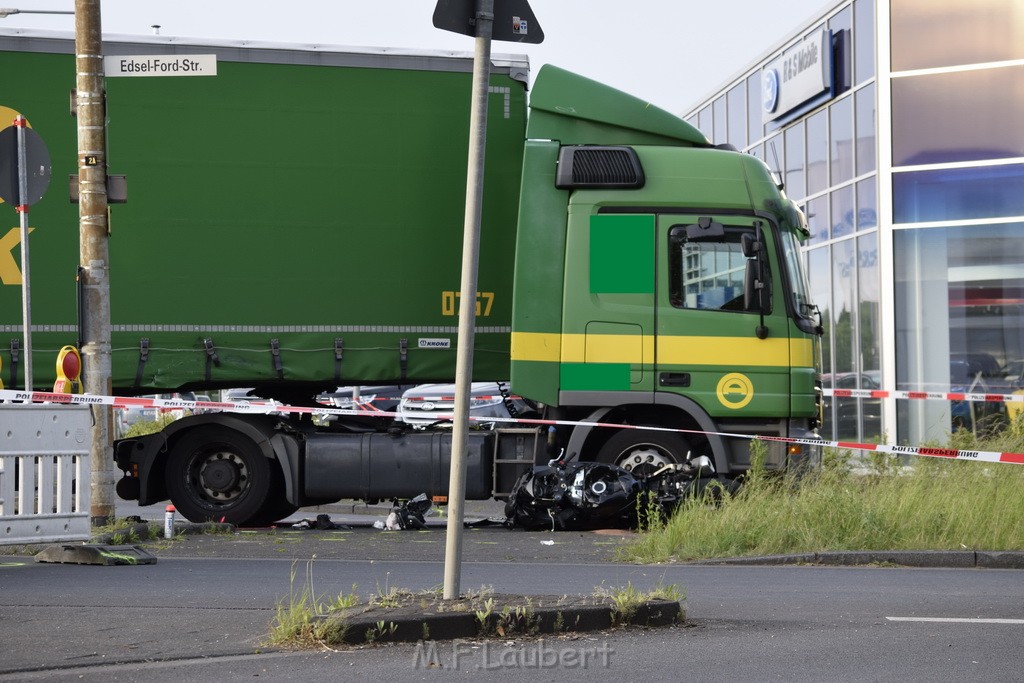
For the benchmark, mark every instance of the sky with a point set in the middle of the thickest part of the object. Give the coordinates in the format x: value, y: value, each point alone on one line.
x: 671, y: 53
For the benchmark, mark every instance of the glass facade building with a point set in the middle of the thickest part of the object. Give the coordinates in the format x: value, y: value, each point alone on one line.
x: 894, y: 124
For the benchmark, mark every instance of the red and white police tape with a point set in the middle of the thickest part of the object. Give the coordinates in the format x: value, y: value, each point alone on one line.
x: 268, y: 407
x: 945, y: 396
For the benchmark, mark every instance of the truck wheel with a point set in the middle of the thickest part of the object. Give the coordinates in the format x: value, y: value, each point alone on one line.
x: 643, y: 452
x: 216, y: 474
x: 276, y: 506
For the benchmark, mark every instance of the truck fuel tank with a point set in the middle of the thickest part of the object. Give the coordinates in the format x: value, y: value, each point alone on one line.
x: 384, y: 466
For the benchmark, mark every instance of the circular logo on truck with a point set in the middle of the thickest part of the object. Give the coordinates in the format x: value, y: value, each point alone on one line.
x: 735, y: 390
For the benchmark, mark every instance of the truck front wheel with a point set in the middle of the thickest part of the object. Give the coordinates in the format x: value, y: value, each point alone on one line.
x: 643, y: 452
x: 217, y: 474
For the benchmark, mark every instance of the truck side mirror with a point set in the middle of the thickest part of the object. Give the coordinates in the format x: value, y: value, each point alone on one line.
x: 749, y: 244
x: 755, y: 288
x: 751, y: 287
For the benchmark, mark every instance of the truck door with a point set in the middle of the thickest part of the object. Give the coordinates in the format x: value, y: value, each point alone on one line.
x: 707, y: 345
x: 608, y: 310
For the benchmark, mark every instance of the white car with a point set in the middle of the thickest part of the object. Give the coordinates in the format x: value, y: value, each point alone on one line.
x: 426, y: 404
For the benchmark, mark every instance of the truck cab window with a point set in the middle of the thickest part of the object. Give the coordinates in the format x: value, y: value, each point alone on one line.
x: 707, y: 274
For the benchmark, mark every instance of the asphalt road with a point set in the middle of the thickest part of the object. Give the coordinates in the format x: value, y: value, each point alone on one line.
x: 202, y: 612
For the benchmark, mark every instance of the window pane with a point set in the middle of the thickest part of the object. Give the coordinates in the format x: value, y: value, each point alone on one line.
x: 870, y: 328
x: 817, y: 152
x: 842, y: 212
x: 755, y: 127
x: 775, y: 154
x: 962, y: 116
x: 721, y: 126
x: 795, y: 162
x: 958, y: 194
x: 840, y: 24
x: 863, y: 40
x: 843, y: 300
x: 865, y: 105
x: 818, y: 277
x: 960, y: 300
x: 736, y: 99
x: 818, y: 218
x: 935, y: 33
x: 844, y: 277
x: 841, y: 20
x: 867, y: 203
x: 841, y: 132
x: 708, y: 275
x: 705, y: 123
x: 868, y: 302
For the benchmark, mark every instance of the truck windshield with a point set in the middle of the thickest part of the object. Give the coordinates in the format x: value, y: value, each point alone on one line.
x: 807, y: 312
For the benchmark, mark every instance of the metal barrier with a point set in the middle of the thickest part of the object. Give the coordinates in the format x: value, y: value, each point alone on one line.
x: 44, y: 473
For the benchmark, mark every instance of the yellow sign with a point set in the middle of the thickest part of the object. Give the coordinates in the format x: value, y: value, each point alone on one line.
x: 735, y: 390
x: 10, y: 272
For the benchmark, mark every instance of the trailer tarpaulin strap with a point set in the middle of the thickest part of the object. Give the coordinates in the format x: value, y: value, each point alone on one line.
x: 403, y: 356
x: 339, y: 346
x: 275, y: 352
x: 15, y: 353
x: 212, y: 359
x: 143, y: 357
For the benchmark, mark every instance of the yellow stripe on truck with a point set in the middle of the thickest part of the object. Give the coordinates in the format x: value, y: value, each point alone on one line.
x: 672, y: 350
x: 536, y: 346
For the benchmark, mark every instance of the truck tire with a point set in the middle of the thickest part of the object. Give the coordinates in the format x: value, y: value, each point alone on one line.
x: 277, y: 505
x: 642, y: 452
x: 217, y: 474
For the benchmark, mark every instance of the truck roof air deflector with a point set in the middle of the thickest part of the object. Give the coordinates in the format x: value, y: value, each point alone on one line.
x: 587, y: 167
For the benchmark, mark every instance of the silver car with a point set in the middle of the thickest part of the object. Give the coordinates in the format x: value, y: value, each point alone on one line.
x: 426, y: 404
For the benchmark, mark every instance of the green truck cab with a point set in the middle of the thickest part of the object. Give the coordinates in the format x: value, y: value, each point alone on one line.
x: 658, y: 282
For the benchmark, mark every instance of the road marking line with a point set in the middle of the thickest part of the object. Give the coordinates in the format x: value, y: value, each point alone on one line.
x: 952, y: 620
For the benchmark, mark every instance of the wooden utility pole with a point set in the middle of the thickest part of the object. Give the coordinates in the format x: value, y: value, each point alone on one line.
x: 94, y: 263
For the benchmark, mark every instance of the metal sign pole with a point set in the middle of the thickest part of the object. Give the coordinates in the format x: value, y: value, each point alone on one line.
x: 23, y: 202
x: 467, y: 306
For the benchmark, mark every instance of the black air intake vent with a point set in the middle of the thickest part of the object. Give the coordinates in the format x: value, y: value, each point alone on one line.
x: 599, y: 167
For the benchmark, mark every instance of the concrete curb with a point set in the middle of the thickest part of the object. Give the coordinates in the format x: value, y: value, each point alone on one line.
x: 959, y: 559
x: 503, y: 617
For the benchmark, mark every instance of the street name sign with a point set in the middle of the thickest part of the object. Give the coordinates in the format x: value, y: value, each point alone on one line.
x: 160, y: 65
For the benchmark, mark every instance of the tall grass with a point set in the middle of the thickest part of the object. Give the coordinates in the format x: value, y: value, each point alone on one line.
x: 300, y: 621
x: 883, y: 503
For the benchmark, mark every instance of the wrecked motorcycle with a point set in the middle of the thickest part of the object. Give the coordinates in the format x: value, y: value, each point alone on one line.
x: 576, y: 496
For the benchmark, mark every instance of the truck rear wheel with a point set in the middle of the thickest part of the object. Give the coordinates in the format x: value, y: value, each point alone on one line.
x: 643, y: 452
x: 277, y: 505
x: 217, y: 474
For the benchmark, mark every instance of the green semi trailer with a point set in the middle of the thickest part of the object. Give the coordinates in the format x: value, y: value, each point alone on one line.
x: 294, y: 223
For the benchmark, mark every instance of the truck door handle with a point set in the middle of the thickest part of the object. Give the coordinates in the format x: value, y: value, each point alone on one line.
x: 674, y: 379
